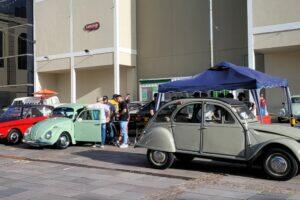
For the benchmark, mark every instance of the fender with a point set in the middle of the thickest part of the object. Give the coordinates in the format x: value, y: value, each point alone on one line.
x: 159, y: 138
x: 290, y: 144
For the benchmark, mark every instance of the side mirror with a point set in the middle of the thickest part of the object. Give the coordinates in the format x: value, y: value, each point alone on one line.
x: 79, y: 119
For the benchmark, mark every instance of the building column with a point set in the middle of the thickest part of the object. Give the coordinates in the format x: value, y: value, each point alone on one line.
x: 72, y: 61
x: 116, y: 48
x: 36, y: 80
x: 251, y: 54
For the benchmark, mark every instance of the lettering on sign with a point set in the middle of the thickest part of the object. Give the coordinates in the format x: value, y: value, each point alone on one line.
x: 92, y: 26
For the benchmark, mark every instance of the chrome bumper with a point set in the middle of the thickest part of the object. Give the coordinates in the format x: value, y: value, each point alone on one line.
x: 35, y: 143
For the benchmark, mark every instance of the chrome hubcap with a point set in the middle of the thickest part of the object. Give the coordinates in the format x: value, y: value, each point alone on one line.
x: 14, y: 137
x: 64, y: 140
x: 278, y: 164
x: 159, y: 156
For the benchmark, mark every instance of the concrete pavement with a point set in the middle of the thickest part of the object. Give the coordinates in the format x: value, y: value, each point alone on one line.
x: 83, y: 172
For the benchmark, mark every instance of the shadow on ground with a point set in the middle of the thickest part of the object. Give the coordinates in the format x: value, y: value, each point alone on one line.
x: 139, y: 160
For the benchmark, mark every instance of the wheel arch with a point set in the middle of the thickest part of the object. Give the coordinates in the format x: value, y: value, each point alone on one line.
x: 159, y: 138
x: 281, y: 145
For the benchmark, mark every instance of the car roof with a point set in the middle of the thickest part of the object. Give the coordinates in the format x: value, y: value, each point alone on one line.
x: 75, y: 106
x: 232, y: 102
x: 30, y: 106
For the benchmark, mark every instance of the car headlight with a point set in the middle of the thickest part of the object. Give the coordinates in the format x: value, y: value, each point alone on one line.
x: 27, y: 132
x: 48, y: 135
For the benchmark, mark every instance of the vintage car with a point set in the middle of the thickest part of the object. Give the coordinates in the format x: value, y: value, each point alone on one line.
x: 17, y: 119
x: 68, y: 124
x: 283, y: 114
x: 222, y: 129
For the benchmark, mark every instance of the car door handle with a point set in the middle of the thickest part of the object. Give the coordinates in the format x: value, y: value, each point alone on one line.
x: 202, y: 128
x: 97, y: 124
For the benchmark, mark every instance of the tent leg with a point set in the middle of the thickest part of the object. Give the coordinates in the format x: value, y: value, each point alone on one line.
x: 158, y: 101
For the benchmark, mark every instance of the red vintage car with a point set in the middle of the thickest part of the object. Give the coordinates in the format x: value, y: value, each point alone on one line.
x: 17, y: 119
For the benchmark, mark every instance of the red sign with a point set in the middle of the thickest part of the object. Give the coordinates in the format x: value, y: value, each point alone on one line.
x: 92, y: 27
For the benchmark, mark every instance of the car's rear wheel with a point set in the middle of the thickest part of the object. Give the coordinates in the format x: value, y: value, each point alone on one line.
x: 63, y: 141
x: 184, y: 157
x: 14, y: 137
x: 160, y: 159
x: 280, y: 164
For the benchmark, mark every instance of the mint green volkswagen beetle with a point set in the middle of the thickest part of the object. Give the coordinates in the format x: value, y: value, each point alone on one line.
x: 69, y: 124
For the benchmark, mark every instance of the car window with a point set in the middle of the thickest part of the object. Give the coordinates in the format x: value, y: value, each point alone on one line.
x: 86, y: 115
x: 63, y: 112
x: 295, y: 99
x: 191, y: 113
x: 215, y: 114
x: 12, y: 112
x: 96, y: 114
x: 164, y: 115
x: 26, y: 112
x: 46, y: 111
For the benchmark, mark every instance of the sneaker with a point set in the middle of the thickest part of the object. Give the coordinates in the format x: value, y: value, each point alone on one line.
x: 123, y: 146
x: 94, y: 146
x: 101, y: 146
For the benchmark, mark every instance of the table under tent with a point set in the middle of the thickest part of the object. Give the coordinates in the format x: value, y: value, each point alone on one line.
x: 227, y: 76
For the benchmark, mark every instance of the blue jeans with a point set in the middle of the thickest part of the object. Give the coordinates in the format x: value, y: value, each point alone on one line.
x: 103, y: 133
x: 109, y: 126
x: 124, y: 131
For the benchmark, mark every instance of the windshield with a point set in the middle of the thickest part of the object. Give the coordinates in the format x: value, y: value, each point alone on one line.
x: 296, y: 100
x: 244, y: 113
x: 12, y: 112
x: 63, y: 112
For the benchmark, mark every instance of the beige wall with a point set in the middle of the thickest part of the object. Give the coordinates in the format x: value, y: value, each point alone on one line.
x: 277, y: 40
x: 269, y: 12
x: 86, y: 12
x: 173, y: 36
x: 286, y: 65
x: 128, y: 24
x: 52, y: 27
x: 59, y: 82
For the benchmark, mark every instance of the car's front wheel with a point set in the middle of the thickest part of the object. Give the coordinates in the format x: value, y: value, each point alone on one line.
x: 14, y: 137
x: 160, y: 159
x: 280, y: 164
x: 63, y: 141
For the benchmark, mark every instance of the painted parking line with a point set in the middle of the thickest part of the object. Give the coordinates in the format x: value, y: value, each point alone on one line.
x: 96, y: 167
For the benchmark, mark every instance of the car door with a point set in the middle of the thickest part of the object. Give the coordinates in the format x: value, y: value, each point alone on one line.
x: 186, y: 127
x: 222, y: 134
x: 87, y: 126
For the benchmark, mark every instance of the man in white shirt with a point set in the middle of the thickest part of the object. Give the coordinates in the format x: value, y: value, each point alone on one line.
x: 104, y: 117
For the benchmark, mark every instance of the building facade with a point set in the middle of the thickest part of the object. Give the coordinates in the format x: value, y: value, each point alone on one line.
x: 101, y: 47
x: 16, y: 49
x: 276, y: 43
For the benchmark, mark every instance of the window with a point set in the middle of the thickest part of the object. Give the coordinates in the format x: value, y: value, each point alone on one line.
x: 63, y: 112
x: 86, y: 115
x: 1, y: 50
x: 217, y: 115
x: 96, y: 114
x: 189, y: 114
x: 164, y: 115
x: 22, y: 49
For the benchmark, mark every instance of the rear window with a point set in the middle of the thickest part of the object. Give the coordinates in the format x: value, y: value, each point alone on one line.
x: 164, y: 115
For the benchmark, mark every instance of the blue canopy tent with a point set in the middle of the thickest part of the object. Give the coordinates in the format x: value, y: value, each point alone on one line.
x: 227, y: 76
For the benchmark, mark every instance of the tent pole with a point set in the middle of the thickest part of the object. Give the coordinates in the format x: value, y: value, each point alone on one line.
x: 158, y: 101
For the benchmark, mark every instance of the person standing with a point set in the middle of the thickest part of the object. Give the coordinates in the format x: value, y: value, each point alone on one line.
x: 123, y: 119
x: 263, y: 105
x: 104, y: 118
x: 152, y: 105
x: 128, y: 98
x: 110, y: 124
